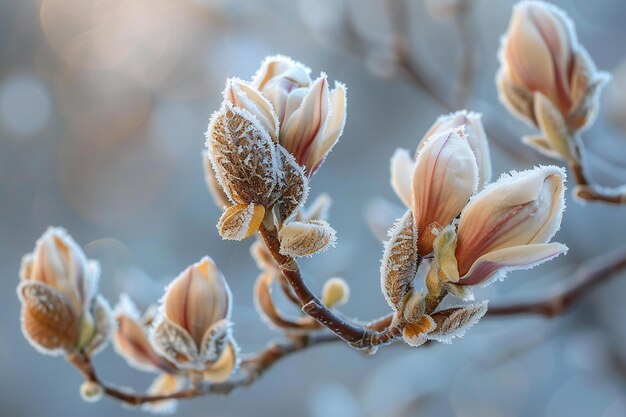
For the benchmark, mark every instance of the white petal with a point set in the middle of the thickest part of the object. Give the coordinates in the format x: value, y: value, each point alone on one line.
x: 401, y: 174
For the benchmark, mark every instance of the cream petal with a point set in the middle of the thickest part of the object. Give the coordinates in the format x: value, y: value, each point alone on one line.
x: 197, y: 299
x: 401, y: 174
x: 518, y: 209
x: 244, y: 96
x: 444, y: 178
x: 495, y: 264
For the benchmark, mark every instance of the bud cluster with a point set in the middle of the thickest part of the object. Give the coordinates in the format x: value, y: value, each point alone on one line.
x: 460, y: 230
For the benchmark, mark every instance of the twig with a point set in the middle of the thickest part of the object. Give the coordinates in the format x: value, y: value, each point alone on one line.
x: 586, y: 191
x: 359, y: 337
x: 467, y: 40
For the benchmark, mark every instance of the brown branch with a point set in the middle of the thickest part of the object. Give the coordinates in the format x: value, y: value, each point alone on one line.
x: 584, y: 189
x: 359, y: 337
x: 588, y: 276
x: 252, y: 368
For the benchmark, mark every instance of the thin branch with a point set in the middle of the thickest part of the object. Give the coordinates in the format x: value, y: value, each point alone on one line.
x: 586, y: 191
x: 359, y: 337
x: 467, y: 41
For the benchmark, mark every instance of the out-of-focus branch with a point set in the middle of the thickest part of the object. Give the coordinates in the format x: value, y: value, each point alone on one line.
x: 586, y: 191
x: 467, y: 42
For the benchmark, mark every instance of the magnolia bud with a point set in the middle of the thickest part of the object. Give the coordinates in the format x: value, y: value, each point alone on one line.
x: 91, y: 391
x: 194, y: 325
x: 248, y: 98
x: 541, y: 55
x: 294, y: 187
x: 508, y: 224
x: 60, y: 309
x: 444, y: 178
x: 335, y: 292
x: 306, y: 238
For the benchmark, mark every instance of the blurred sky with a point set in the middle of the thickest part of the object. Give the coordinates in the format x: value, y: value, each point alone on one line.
x: 103, y: 108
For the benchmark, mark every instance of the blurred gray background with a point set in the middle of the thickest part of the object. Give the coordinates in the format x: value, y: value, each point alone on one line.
x: 103, y: 108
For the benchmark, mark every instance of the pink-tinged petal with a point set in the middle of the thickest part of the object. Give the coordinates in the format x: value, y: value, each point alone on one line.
x: 476, y: 137
x: 495, y: 264
x: 519, y: 209
x: 197, y: 299
x: 277, y: 78
x: 131, y: 340
x: 302, y: 126
x: 401, y: 175
x: 328, y: 136
x: 444, y: 178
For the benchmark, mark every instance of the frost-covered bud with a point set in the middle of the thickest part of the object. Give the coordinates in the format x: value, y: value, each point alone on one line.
x: 416, y: 334
x: 474, y: 133
x: 335, y: 292
x: 193, y: 329
x: 455, y: 321
x: 311, y: 116
x: 131, y: 339
x: 61, y: 311
x: 91, y: 391
x: 243, y: 156
x: 306, y: 238
x: 541, y: 56
x: 444, y: 178
x: 400, y: 262
x: 164, y: 384
x: 508, y: 225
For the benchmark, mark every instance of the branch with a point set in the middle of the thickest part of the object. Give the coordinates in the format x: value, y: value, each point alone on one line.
x: 586, y: 191
x: 358, y: 336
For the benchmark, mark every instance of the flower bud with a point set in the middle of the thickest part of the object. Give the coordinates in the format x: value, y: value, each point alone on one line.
x: 455, y: 321
x: 91, y: 391
x: 311, y: 116
x: 194, y: 324
x: 475, y: 136
x: 60, y: 309
x: 508, y: 225
x: 540, y: 54
x: 416, y: 334
x: 131, y: 340
x: 444, y: 178
x: 306, y: 238
x: 243, y: 156
x: 335, y: 292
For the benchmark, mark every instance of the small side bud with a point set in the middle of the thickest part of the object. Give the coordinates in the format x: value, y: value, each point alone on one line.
x: 414, y: 307
x: 454, y: 322
x: 335, y: 292
x: 553, y: 126
x: 91, y: 391
x: 306, y: 238
x: 240, y: 221
x: 400, y: 261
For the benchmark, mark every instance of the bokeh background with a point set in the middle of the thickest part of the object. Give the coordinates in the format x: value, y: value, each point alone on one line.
x: 103, y: 108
